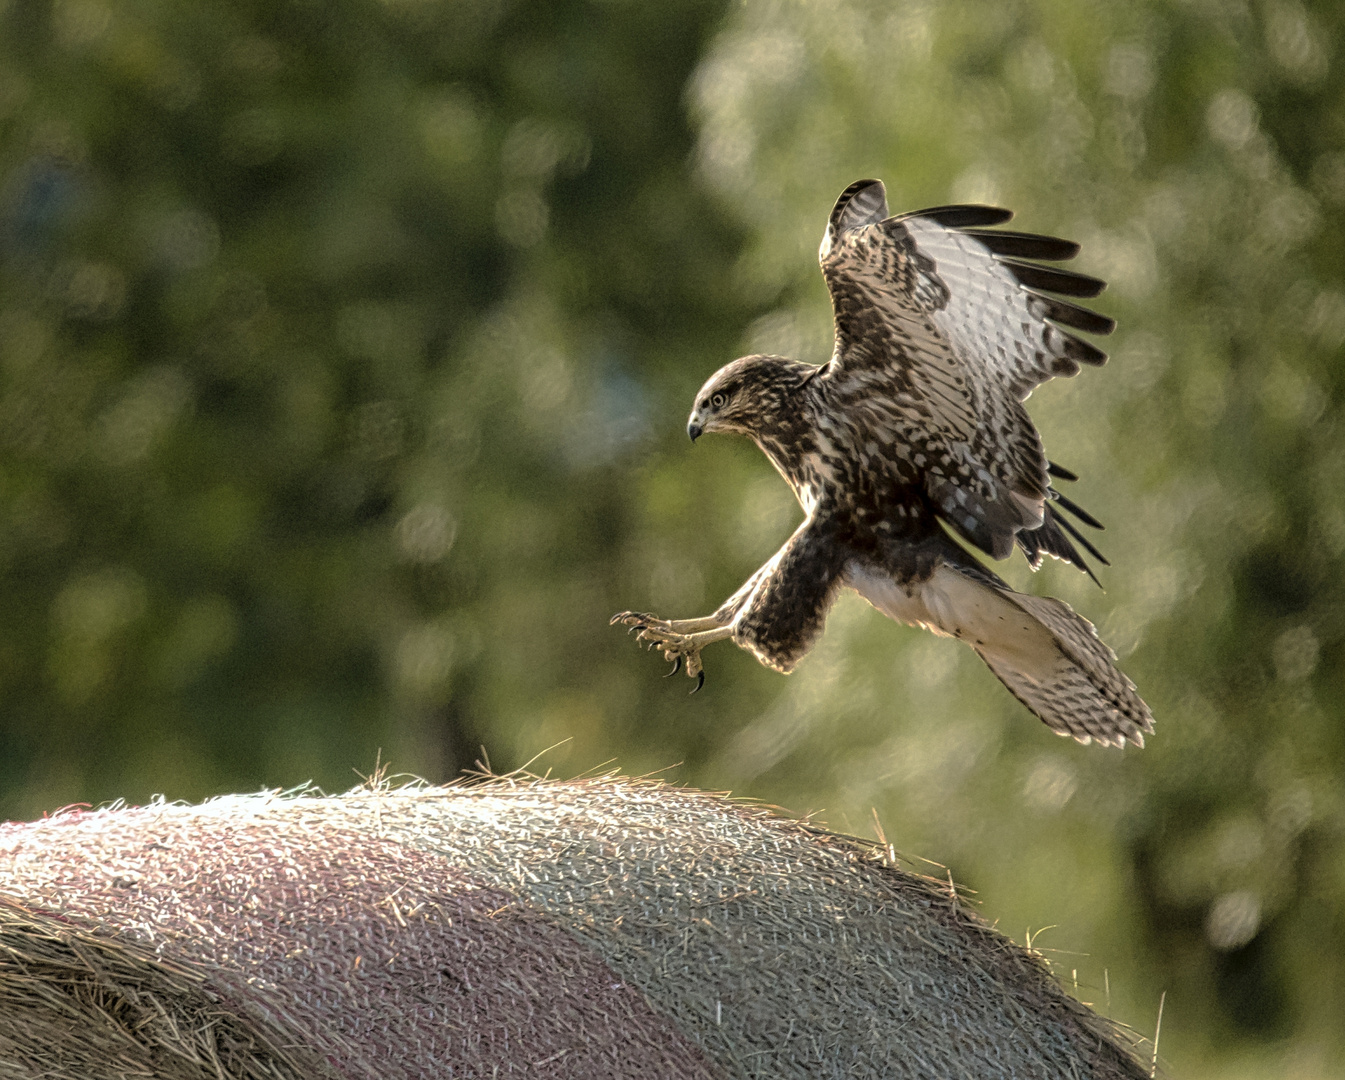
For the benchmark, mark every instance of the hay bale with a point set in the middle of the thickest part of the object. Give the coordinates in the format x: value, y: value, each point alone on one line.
x: 589, y: 929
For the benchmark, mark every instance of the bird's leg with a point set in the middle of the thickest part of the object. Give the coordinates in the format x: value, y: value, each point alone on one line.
x: 643, y: 621
x: 679, y: 640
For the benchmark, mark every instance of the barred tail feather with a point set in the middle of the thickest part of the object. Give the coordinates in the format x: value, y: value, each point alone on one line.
x: 1050, y: 658
x: 1073, y: 685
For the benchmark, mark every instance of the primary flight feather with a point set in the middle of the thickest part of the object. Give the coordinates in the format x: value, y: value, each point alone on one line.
x: 943, y: 327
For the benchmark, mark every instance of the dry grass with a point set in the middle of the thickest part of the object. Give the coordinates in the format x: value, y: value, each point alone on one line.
x: 86, y: 1006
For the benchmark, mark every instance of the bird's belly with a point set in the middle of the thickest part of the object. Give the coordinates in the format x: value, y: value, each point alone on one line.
x: 935, y: 603
x: 954, y: 605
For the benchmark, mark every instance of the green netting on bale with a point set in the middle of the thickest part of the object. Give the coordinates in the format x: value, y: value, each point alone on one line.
x: 586, y: 929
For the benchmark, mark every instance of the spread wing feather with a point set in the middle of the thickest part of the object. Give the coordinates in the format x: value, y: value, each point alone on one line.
x: 956, y: 217
x: 1053, y: 538
x: 1065, y: 282
x: 942, y: 331
x: 1021, y: 245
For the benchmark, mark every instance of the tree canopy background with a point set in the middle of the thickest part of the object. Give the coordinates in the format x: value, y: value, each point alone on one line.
x: 345, y: 352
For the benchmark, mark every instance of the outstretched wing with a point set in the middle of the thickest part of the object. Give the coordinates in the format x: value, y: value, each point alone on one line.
x: 942, y: 330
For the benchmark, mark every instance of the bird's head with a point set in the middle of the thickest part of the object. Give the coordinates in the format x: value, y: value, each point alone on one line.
x: 748, y: 395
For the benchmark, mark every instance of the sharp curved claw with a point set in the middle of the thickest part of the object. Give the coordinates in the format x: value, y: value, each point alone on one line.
x: 677, y: 666
x: 700, y: 681
x: 636, y: 628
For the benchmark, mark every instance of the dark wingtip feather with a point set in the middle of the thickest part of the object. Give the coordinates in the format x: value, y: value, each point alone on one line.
x: 1088, y: 547
x: 1048, y: 539
x: 1060, y: 472
x: 1065, y: 282
x: 1084, y: 352
x: 962, y: 216
x: 1064, y: 367
x: 1073, y: 316
x: 1078, y: 511
x: 1025, y: 245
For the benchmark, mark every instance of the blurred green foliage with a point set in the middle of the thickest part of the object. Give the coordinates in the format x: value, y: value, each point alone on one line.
x: 345, y: 350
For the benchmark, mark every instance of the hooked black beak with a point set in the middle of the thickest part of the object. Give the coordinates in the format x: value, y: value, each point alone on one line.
x: 694, y: 430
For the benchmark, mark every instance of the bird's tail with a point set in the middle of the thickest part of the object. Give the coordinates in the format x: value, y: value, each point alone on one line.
x: 1068, y: 677
x: 1049, y: 657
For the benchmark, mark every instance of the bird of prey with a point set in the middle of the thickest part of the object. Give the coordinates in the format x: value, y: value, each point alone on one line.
x: 913, y: 434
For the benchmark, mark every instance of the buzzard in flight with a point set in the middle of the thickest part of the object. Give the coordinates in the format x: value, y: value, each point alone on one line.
x: 916, y: 424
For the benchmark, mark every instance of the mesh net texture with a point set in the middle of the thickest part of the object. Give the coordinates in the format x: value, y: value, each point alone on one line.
x: 585, y: 929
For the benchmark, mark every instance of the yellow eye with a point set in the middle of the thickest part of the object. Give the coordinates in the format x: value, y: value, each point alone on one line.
x: 718, y: 401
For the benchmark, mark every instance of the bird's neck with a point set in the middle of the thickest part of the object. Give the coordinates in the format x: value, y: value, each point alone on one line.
x: 786, y: 433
